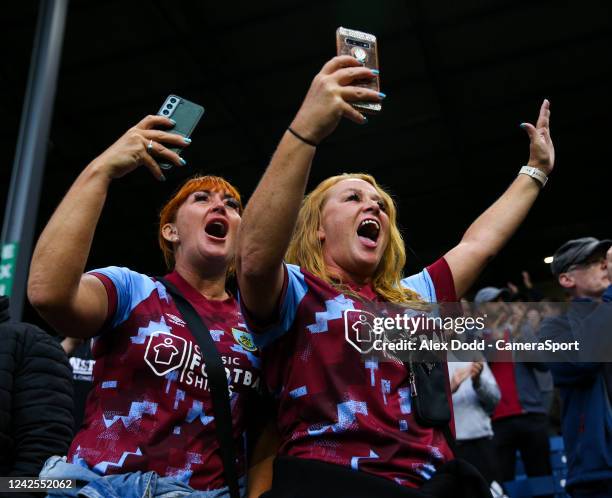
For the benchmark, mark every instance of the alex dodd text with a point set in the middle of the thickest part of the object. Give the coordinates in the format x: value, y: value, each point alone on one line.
x: 479, y: 345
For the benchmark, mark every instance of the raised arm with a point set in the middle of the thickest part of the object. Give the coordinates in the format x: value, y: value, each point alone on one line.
x: 75, y: 303
x: 492, y: 229
x: 271, y: 214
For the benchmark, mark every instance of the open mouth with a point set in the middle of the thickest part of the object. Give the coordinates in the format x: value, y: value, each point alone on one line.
x: 216, y: 228
x: 368, y: 232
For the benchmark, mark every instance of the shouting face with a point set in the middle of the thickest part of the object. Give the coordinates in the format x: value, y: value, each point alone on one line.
x: 354, y: 229
x: 204, y: 231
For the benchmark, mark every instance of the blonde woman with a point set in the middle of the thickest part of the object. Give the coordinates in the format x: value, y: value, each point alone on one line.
x: 345, y: 424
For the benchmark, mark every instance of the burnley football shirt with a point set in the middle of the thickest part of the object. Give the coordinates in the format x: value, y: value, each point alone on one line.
x: 150, y: 407
x: 336, y: 404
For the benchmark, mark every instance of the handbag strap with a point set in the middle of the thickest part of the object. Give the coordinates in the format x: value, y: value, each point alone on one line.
x: 217, y: 382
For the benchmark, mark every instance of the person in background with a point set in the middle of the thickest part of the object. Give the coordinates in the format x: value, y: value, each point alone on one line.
x: 475, y: 396
x: 35, y: 398
x: 531, y: 325
x: 520, y: 419
x: 527, y: 292
x: 82, y: 364
x: 583, y: 268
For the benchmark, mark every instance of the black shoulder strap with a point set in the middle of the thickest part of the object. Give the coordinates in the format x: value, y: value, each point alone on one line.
x: 217, y: 382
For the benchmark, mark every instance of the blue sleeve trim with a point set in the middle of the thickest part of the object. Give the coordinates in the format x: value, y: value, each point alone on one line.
x: 607, y: 295
x: 422, y: 284
x: 132, y: 288
x: 294, y: 293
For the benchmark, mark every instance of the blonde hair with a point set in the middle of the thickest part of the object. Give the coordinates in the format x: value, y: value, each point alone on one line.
x: 168, y: 212
x: 306, y: 249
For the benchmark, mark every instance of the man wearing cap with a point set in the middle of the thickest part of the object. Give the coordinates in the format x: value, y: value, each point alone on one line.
x: 583, y: 267
x: 520, y: 420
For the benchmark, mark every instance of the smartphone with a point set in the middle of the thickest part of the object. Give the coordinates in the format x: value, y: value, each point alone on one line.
x: 186, y: 114
x: 363, y: 47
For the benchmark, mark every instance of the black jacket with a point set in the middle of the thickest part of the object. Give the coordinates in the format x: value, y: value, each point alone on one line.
x: 35, y: 397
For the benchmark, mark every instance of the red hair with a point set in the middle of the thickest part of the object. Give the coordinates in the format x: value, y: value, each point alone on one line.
x: 168, y: 212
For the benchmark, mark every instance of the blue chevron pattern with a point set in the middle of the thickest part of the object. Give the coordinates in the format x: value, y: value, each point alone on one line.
x: 197, y: 410
x: 144, y: 332
x: 333, y: 310
x: 103, y: 466
x: 137, y: 410
x: 161, y: 291
x: 346, y: 417
x: 216, y: 335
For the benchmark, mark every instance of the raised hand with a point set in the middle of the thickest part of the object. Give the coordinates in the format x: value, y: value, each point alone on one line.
x: 541, y: 149
x: 141, y: 145
x: 527, y: 279
x: 329, y: 97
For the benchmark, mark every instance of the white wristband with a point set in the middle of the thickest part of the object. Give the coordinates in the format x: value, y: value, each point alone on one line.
x: 534, y: 173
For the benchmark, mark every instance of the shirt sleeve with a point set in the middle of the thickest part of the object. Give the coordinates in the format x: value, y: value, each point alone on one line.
x: 294, y: 290
x: 125, y: 290
x: 434, y: 284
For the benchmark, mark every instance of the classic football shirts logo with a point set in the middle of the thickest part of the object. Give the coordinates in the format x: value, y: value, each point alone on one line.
x: 165, y: 352
x: 359, y: 330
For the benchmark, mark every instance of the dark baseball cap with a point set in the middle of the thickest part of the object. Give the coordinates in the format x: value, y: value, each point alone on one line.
x: 577, y: 251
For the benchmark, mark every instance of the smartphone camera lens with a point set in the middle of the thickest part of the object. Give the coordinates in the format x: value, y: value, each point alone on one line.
x: 169, y: 106
x: 172, y: 100
x: 165, y: 112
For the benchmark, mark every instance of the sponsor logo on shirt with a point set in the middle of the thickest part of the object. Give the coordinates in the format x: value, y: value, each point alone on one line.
x: 359, y: 329
x: 167, y: 352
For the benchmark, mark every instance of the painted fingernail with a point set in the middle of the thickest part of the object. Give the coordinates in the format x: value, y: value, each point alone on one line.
x: 365, y: 119
x: 187, y: 140
x: 522, y: 125
x: 172, y: 121
x: 375, y: 72
x: 382, y: 95
x: 162, y: 178
x: 183, y: 162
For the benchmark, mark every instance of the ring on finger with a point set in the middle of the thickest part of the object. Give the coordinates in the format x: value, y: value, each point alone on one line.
x: 150, y: 146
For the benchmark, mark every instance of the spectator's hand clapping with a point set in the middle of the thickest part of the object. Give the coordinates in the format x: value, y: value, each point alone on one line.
x: 475, y: 370
x: 459, y: 376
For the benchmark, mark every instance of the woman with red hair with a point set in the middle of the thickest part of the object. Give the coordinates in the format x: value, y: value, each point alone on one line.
x: 150, y: 423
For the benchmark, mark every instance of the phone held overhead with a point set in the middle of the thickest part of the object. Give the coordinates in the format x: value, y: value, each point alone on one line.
x: 186, y: 116
x: 362, y: 46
